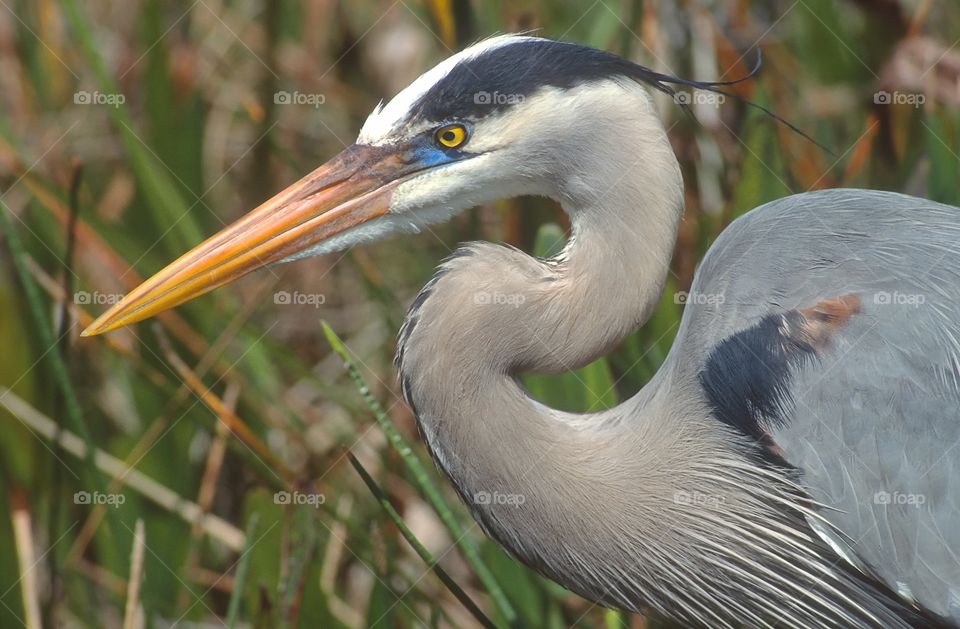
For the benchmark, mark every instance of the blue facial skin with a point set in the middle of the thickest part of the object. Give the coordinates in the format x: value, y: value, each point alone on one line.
x: 425, y: 152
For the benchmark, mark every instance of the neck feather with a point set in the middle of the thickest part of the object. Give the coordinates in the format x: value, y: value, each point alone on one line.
x: 492, y: 312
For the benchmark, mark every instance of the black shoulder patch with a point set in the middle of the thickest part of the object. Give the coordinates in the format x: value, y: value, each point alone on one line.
x: 747, y: 375
x: 506, y: 75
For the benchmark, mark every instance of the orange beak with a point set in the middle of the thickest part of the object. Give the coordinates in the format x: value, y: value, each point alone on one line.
x: 351, y: 189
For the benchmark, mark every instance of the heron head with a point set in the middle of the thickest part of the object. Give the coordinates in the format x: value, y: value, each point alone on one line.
x: 508, y: 116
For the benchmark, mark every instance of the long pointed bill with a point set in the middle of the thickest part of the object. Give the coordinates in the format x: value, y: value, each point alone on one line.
x: 351, y: 189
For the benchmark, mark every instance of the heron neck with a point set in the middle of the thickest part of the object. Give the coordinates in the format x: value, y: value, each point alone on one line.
x: 609, y: 278
x: 493, y: 312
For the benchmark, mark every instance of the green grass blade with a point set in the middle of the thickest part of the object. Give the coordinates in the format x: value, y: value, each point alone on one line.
x: 419, y: 548
x: 429, y: 489
x: 233, y: 608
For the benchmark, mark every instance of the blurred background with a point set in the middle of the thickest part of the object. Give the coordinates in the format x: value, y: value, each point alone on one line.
x: 194, y: 470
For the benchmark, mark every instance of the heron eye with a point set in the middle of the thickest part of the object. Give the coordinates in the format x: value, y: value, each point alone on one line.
x: 452, y: 135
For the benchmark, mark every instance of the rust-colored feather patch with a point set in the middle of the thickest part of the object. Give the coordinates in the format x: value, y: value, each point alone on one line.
x: 822, y: 320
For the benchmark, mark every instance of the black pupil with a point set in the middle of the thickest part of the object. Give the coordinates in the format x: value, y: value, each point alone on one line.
x: 449, y: 136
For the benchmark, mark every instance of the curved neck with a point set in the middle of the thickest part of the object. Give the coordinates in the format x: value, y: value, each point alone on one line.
x: 591, y: 500
x: 609, y: 278
x: 492, y: 312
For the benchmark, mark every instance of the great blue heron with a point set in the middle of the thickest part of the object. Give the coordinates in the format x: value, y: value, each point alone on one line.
x: 795, y: 459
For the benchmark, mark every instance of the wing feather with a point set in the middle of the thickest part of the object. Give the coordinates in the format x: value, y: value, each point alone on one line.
x: 872, y: 425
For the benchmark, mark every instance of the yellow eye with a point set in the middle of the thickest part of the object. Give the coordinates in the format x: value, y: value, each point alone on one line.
x: 452, y: 135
